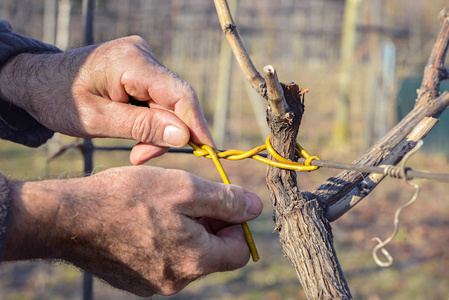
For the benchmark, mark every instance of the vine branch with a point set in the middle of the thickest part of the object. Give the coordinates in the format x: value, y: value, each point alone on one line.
x: 235, y: 41
x: 275, y: 94
x: 428, y: 104
x: 434, y: 70
x: 367, y: 185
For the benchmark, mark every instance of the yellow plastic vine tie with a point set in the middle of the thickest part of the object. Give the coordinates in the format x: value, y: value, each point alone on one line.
x: 281, y: 162
x: 213, y: 155
x: 292, y: 165
x: 208, y: 152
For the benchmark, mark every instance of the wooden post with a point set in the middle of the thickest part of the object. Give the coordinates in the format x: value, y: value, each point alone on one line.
x: 49, y: 21
x: 8, y: 9
x: 88, y: 146
x: 223, y: 89
x: 63, y: 24
x: 348, y: 40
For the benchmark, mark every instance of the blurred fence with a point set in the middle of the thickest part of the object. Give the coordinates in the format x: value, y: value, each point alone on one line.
x: 302, y: 38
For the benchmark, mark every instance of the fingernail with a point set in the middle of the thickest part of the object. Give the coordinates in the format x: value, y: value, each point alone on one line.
x: 173, y: 136
x: 253, y: 204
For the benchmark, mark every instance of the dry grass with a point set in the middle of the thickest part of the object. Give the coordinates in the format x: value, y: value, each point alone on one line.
x: 421, y: 259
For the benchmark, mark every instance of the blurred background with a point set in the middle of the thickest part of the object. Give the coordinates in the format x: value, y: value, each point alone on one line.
x: 362, y: 61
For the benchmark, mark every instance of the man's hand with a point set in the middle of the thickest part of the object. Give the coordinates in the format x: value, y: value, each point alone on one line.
x: 142, y: 229
x: 85, y: 93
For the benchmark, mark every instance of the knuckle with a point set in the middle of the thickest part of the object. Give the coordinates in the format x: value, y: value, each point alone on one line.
x: 189, y: 185
x: 143, y: 129
x: 130, y: 50
x: 189, y: 93
x: 232, y: 201
x: 131, y: 46
x: 184, y: 191
x: 136, y: 39
x: 132, y: 39
x: 184, y: 90
x: 186, y: 184
x: 189, y: 90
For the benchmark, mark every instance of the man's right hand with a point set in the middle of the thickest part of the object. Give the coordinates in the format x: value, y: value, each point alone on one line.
x: 142, y: 229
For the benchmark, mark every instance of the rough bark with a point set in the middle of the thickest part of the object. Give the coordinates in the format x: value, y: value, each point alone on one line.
x: 304, y: 232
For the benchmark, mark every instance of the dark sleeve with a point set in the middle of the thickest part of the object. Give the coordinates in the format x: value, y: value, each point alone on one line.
x: 4, y: 209
x: 16, y: 124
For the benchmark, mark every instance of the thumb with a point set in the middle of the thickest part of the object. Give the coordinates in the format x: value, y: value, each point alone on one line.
x: 148, y: 125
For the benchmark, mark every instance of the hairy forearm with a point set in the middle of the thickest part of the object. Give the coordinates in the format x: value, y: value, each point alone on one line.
x: 25, y: 75
x: 55, y: 219
x: 33, y: 220
x: 33, y: 81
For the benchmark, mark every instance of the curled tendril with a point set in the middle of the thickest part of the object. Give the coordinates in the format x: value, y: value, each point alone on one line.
x: 381, y: 244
